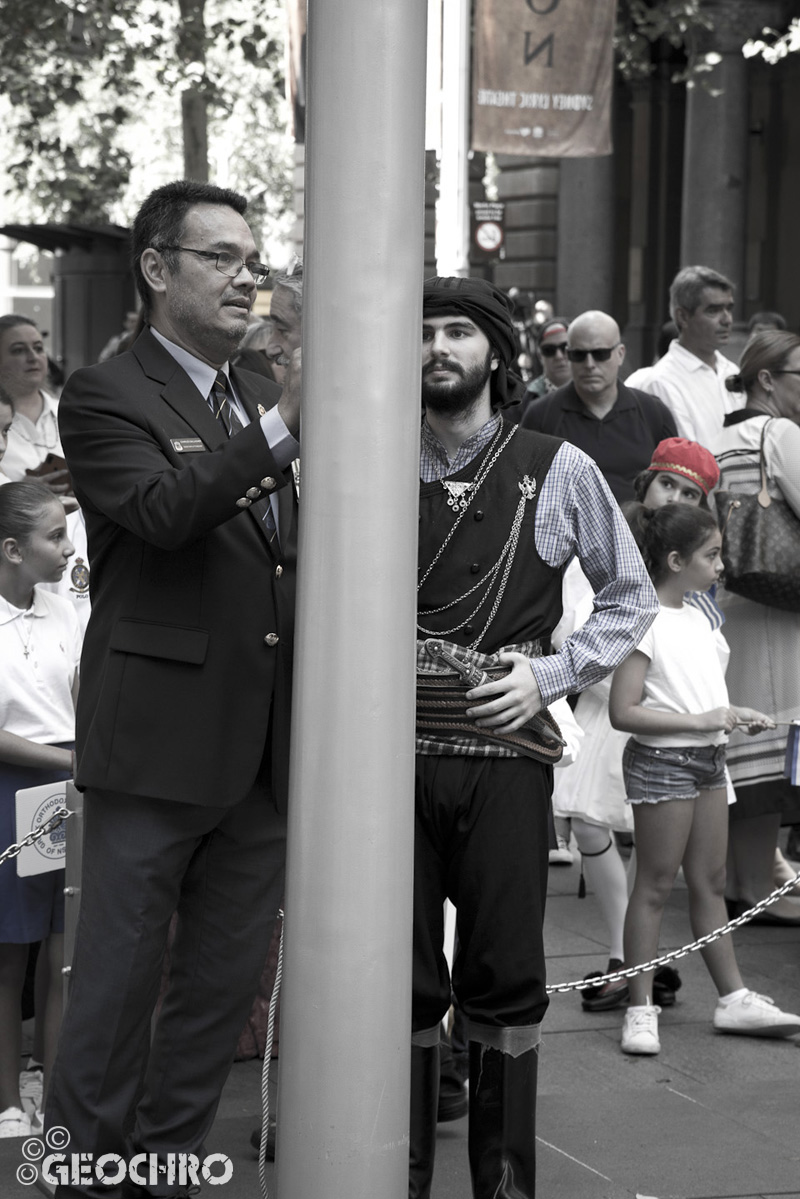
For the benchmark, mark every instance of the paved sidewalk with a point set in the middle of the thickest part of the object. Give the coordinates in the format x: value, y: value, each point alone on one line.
x: 711, y: 1117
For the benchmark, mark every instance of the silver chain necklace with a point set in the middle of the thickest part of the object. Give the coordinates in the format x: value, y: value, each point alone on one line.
x: 460, y: 502
x: 527, y: 487
x: 468, y: 497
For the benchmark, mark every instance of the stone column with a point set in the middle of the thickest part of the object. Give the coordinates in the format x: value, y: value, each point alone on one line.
x: 714, y: 207
x: 585, y: 272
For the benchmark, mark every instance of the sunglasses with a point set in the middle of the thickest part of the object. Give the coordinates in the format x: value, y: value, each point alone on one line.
x: 551, y: 351
x: 598, y: 355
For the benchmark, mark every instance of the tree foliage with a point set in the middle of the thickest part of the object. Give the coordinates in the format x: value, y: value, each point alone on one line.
x: 682, y: 23
x: 772, y: 46
x: 93, y: 93
x: 640, y: 23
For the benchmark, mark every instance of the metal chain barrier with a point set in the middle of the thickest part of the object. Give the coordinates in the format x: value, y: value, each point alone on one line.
x: 58, y: 817
x: 581, y: 984
x: 598, y: 980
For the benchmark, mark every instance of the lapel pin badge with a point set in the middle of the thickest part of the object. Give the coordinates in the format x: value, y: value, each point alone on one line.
x: 262, y: 410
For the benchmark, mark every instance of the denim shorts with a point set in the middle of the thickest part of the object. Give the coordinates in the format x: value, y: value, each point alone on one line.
x: 656, y: 773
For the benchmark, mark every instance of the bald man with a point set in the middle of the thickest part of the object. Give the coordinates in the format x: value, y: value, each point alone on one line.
x: 615, y: 425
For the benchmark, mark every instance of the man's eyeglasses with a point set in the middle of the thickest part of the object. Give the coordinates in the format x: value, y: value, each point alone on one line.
x: 598, y: 355
x: 785, y: 372
x: 551, y: 350
x: 227, y: 264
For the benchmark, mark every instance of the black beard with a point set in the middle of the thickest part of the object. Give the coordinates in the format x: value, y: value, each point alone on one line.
x: 452, y: 398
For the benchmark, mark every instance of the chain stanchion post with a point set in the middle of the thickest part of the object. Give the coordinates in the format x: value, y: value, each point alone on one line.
x: 73, y: 865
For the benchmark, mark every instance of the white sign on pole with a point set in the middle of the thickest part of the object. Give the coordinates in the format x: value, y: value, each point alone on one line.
x: 35, y: 806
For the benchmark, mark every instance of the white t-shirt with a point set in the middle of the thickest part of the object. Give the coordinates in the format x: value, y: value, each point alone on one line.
x: 29, y: 443
x: 694, y: 392
x: 687, y: 668
x: 36, y: 692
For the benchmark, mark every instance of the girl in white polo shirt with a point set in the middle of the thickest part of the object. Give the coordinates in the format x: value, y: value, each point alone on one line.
x: 39, y: 652
x: 670, y: 694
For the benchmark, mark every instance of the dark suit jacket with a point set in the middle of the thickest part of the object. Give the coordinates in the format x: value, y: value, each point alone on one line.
x: 621, y: 443
x: 181, y: 676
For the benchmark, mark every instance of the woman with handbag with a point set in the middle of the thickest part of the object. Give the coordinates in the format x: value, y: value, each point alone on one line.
x: 759, y: 450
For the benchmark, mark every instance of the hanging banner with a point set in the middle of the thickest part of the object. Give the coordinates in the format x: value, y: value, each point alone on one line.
x: 542, y: 77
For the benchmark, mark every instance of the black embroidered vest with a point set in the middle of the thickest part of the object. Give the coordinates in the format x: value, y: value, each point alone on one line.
x: 531, y: 603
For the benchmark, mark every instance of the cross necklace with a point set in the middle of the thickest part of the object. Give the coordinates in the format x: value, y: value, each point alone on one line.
x: 26, y: 642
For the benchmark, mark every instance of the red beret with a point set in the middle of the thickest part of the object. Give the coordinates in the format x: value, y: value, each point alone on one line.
x: 687, y: 458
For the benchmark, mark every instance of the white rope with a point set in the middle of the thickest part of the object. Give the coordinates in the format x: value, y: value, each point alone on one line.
x: 273, y: 1005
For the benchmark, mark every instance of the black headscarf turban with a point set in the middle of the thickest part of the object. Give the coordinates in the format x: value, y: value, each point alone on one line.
x: 489, y: 308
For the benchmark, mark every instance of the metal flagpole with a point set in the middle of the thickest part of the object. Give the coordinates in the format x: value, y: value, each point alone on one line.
x: 343, y: 1098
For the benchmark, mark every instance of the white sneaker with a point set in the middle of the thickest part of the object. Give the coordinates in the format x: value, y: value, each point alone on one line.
x: 755, y: 1016
x: 14, y: 1123
x: 561, y: 856
x: 640, y: 1030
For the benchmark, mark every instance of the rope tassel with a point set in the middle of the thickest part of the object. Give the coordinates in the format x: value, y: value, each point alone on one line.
x: 791, y: 767
x: 586, y: 854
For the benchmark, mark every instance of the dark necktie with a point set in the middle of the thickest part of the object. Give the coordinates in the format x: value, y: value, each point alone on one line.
x: 219, y: 400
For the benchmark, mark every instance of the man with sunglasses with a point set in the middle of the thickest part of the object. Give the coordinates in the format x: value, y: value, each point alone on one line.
x: 182, y: 467
x: 615, y: 425
x: 551, y: 350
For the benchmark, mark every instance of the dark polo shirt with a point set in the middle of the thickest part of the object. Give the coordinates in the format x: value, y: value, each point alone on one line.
x: 621, y: 442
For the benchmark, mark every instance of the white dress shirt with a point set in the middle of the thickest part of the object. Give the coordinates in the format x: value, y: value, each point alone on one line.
x: 694, y: 392
x: 29, y: 443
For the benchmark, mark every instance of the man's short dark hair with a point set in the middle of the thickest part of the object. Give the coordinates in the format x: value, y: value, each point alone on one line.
x: 160, y: 220
x: 765, y: 320
x: 688, y: 285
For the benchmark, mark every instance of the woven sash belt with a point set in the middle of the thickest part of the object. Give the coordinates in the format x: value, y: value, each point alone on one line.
x: 442, y: 709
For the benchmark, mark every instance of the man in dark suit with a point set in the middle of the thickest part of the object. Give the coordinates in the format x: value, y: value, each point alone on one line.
x: 183, y: 470
x: 615, y: 425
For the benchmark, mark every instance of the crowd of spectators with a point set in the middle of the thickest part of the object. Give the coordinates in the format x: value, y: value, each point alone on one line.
x: 660, y: 437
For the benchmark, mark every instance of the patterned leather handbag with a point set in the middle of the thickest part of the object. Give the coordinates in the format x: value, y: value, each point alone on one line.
x: 760, y: 545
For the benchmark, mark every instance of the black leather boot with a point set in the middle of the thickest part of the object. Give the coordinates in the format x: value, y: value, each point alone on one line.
x: 422, y: 1130
x: 502, y: 1122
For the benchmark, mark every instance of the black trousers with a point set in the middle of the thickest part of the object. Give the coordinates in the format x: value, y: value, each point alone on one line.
x: 482, y: 841
x: 222, y: 870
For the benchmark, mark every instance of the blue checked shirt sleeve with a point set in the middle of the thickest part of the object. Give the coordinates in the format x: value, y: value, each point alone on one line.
x: 578, y: 516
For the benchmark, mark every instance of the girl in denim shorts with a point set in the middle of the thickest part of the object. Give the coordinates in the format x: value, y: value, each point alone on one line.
x: 671, y: 695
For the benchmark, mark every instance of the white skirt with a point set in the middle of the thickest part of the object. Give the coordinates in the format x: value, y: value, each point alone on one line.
x: 592, y: 787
